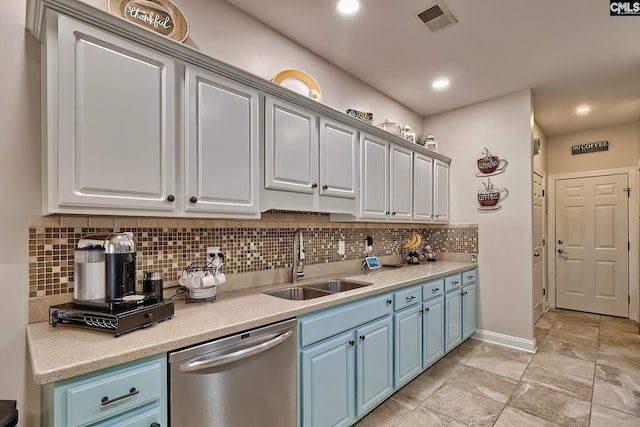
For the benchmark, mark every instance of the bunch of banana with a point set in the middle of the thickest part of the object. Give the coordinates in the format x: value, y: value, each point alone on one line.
x: 415, y: 241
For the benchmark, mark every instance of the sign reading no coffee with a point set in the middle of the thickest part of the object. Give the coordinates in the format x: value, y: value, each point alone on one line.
x: 590, y: 148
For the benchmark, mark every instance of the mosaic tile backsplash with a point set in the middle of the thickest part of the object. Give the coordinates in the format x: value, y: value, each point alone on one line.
x: 248, y: 245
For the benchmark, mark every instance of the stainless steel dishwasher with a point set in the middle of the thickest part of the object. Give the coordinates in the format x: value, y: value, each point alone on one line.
x: 247, y: 379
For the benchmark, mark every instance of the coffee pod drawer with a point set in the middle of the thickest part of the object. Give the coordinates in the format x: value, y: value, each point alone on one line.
x: 469, y: 277
x: 452, y: 282
x: 432, y: 289
x: 407, y: 297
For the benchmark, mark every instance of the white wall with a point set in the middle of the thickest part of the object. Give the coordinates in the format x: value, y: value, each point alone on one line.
x: 623, y: 150
x: 20, y: 195
x: 504, y: 126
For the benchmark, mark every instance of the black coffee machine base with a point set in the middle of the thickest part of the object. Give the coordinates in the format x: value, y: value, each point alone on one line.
x: 116, y: 322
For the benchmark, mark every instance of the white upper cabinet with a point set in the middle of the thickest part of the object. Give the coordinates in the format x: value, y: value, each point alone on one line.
x: 386, y: 180
x: 374, y: 178
x: 338, y: 159
x: 401, y: 184
x: 423, y: 188
x: 221, y: 153
x: 110, y: 122
x: 441, y: 191
x: 291, y: 147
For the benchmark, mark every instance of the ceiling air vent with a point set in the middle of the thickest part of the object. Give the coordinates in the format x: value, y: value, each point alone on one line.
x: 437, y: 17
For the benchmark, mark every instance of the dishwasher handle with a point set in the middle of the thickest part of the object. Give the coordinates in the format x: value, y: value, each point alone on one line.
x: 236, y: 355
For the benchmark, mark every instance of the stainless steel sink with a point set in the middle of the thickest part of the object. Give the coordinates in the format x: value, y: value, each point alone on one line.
x: 298, y: 293
x: 338, y: 285
x: 317, y: 289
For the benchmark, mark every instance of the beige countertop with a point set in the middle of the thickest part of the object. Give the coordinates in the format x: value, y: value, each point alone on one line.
x: 64, y: 352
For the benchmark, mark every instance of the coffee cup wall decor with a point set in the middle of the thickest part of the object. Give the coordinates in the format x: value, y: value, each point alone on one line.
x: 490, y: 165
x: 490, y: 197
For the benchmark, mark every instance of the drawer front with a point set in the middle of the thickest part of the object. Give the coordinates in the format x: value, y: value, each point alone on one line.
x: 469, y: 276
x: 323, y: 325
x: 113, y: 394
x: 136, y: 419
x: 407, y: 298
x: 452, y: 282
x: 432, y: 289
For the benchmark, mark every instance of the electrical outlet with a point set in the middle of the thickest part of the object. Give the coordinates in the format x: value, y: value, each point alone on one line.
x: 341, y: 249
x: 474, y: 258
x: 213, y: 251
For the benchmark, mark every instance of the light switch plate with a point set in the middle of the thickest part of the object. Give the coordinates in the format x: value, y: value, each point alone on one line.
x: 341, y: 249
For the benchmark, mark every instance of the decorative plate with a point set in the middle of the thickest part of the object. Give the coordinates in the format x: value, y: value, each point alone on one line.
x: 160, y: 16
x: 312, y: 88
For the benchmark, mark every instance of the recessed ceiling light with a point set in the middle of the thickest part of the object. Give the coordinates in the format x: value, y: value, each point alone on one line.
x: 348, y: 6
x: 583, y: 109
x: 440, y: 84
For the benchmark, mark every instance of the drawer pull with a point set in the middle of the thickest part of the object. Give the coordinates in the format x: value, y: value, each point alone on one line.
x: 411, y: 298
x: 389, y: 302
x: 433, y: 291
x: 455, y: 282
x: 132, y: 392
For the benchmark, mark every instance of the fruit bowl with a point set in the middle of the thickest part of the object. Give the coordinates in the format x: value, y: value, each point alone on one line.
x: 412, y: 252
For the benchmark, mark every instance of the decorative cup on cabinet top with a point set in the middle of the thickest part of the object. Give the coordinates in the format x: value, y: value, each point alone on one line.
x: 491, y: 197
x: 491, y: 163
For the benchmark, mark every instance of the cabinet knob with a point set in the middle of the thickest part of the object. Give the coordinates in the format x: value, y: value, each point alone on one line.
x: 171, y: 198
x: 427, y: 309
x: 155, y: 425
x: 393, y: 213
x: 389, y: 301
x: 314, y: 185
x: 193, y: 199
x: 387, y: 212
x: 437, y: 216
x: 362, y: 337
x: 325, y: 187
x: 352, y: 343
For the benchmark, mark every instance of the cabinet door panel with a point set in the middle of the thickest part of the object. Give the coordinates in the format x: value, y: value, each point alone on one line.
x: 407, y: 344
x: 328, y: 383
x: 374, y: 184
x: 338, y: 168
x: 374, y: 364
x: 468, y: 310
x: 453, y: 319
x: 116, y: 121
x: 401, y: 190
x: 423, y: 188
x: 433, y: 330
x: 441, y: 191
x: 291, y: 148
x: 222, y: 144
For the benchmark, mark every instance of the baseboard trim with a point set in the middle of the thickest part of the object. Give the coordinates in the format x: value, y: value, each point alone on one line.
x: 506, y: 340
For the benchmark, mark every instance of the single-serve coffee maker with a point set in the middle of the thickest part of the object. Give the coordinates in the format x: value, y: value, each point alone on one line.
x: 105, y: 270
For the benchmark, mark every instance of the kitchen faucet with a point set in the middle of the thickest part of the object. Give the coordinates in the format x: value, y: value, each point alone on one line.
x: 297, y: 270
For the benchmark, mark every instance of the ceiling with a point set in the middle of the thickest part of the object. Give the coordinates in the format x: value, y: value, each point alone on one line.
x: 568, y: 52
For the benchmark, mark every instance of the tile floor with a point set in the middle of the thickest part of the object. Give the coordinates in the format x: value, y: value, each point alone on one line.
x: 586, y: 372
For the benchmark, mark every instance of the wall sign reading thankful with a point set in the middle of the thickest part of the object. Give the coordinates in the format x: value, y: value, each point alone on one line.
x: 590, y: 148
x: 161, y: 16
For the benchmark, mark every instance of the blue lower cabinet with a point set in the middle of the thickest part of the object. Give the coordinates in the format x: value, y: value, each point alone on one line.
x: 132, y: 394
x: 328, y: 382
x: 452, y: 320
x: 374, y: 365
x: 469, y: 301
x: 346, y: 362
x: 433, y: 331
x: 407, y: 347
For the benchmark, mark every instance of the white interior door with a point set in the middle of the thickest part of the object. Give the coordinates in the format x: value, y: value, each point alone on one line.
x: 592, y: 238
x: 538, y: 247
